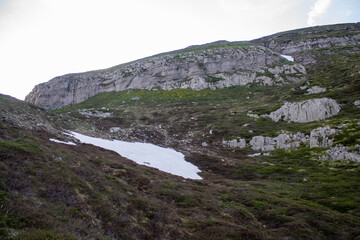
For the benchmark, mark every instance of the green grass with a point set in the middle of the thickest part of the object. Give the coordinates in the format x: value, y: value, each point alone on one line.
x: 95, y: 193
x: 21, y: 147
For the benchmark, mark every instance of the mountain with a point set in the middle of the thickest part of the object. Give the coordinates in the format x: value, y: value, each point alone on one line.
x: 276, y: 145
x: 301, y: 43
x: 214, y: 65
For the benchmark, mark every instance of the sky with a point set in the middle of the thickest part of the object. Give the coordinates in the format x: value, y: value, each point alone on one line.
x: 42, y: 39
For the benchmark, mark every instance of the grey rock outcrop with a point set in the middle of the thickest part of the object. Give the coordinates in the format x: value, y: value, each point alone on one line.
x: 235, y: 143
x: 299, y: 43
x: 95, y: 113
x: 306, y: 111
x: 290, y: 141
x: 211, y: 68
x: 341, y: 153
x: 302, y: 45
x: 261, y: 143
x: 282, y: 141
x: 315, y: 89
x: 319, y: 137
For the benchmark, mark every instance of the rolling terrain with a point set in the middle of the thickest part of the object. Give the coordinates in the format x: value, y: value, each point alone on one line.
x: 261, y: 178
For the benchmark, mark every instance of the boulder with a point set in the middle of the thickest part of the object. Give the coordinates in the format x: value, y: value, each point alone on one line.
x: 290, y: 141
x: 115, y: 129
x: 319, y: 137
x: 315, y: 89
x: 262, y: 143
x: 306, y: 111
x: 235, y: 143
x: 342, y: 153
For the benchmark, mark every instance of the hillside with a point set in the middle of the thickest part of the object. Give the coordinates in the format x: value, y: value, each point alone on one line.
x: 277, y: 161
x: 303, y: 43
x: 215, y: 65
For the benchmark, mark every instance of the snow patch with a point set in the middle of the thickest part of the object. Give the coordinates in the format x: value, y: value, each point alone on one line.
x: 254, y: 155
x: 287, y: 57
x: 58, y: 141
x: 165, y: 159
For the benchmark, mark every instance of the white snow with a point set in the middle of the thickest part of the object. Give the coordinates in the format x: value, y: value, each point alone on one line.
x: 289, y: 58
x: 254, y: 155
x: 165, y: 159
x: 58, y: 141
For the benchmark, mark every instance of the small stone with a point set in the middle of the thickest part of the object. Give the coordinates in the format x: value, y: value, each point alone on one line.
x: 315, y: 89
x: 115, y: 129
x: 252, y: 115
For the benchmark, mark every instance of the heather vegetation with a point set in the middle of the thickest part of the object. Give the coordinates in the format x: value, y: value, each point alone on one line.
x: 50, y: 190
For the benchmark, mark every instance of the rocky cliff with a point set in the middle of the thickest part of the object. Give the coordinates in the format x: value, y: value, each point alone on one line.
x: 298, y: 42
x: 215, y: 65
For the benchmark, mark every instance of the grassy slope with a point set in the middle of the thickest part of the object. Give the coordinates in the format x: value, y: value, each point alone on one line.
x: 55, y: 191
x: 272, y: 189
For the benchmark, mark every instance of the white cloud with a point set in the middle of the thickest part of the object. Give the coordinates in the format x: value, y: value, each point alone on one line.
x: 318, y: 9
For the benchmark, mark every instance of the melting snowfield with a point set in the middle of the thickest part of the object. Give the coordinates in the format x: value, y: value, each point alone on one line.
x: 164, y: 159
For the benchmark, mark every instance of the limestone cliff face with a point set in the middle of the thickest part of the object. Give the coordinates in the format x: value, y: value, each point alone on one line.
x: 211, y: 68
x: 298, y: 42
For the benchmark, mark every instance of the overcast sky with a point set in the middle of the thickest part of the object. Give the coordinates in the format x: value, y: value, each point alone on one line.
x: 42, y: 39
